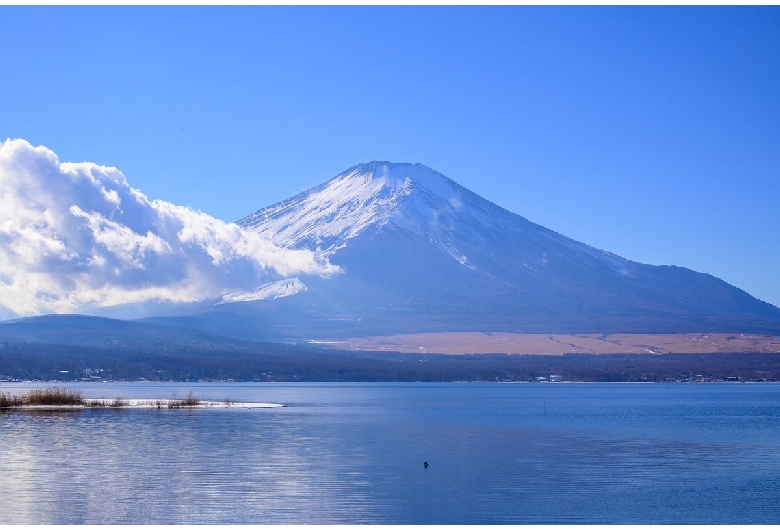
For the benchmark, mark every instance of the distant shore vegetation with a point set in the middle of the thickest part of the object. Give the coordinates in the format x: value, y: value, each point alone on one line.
x: 287, y: 363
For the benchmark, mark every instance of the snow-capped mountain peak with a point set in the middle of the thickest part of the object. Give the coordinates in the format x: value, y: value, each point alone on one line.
x: 416, y: 200
x: 419, y: 252
x: 364, y: 196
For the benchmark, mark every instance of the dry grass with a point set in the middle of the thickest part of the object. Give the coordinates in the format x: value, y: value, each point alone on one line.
x: 52, y: 397
x: 101, y: 403
x: 557, y: 344
x: 55, y: 397
x: 189, y: 401
x: 65, y: 397
x: 9, y: 400
x: 43, y: 397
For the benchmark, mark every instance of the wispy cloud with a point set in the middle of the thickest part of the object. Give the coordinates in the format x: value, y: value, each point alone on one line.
x: 76, y: 236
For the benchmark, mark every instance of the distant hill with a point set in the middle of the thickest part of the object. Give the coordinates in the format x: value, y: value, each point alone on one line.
x: 75, y: 347
x: 82, y: 330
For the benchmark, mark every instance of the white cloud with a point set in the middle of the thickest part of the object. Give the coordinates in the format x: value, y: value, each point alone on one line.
x: 76, y: 236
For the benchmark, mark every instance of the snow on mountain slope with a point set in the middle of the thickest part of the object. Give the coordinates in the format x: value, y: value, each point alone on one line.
x: 417, y: 252
x: 328, y: 216
x: 418, y: 200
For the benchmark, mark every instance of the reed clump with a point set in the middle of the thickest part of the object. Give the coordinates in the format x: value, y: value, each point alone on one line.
x: 55, y: 397
x: 102, y: 403
x: 189, y: 401
x: 117, y: 403
x: 52, y: 396
x: 65, y: 397
x: 10, y: 400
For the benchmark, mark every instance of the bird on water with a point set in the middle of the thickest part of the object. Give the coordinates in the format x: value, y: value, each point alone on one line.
x: 425, y: 464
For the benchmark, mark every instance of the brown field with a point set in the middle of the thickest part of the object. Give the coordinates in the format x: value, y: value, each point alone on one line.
x: 462, y: 343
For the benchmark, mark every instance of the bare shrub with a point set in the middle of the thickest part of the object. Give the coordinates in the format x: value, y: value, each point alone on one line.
x: 117, y: 403
x: 189, y: 401
x: 10, y: 400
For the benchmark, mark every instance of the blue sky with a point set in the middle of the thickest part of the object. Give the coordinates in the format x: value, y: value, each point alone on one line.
x: 651, y: 132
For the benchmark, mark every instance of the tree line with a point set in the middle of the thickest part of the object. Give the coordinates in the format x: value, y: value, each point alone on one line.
x: 281, y: 362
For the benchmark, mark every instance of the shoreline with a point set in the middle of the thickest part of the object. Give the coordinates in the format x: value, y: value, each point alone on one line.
x: 63, y: 398
x: 156, y: 404
x: 145, y: 404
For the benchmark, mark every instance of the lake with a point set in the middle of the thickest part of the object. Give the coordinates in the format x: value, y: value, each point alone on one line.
x: 353, y: 453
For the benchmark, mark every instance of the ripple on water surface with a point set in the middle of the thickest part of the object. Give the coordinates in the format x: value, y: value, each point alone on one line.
x: 354, y: 453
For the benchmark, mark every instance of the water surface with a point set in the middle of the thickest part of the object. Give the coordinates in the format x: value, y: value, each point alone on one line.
x: 353, y: 453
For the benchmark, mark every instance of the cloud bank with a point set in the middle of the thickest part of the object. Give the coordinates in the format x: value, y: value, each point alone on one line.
x: 76, y: 236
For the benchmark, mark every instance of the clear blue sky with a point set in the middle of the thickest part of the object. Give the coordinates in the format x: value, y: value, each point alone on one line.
x: 651, y: 132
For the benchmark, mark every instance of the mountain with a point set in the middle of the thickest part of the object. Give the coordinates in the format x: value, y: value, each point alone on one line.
x: 418, y: 252
x: 101, y: 332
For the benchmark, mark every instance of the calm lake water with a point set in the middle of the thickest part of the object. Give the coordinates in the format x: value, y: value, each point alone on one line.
x: 354, y: 453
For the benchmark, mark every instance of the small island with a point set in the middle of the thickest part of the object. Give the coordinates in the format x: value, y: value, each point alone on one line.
x: 55, y: 398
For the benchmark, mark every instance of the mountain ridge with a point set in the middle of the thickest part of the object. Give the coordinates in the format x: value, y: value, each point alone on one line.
x: 87, y: 330
x: 420, y: 252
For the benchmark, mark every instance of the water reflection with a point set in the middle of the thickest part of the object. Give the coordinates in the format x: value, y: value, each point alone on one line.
x: 353, y: 454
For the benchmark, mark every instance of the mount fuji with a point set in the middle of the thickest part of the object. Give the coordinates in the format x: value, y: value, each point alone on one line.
x: 419, y: 253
